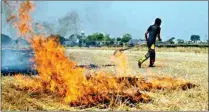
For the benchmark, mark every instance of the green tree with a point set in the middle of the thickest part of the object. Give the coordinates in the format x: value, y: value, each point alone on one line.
x: 107, y: 37
x: 99, y: 36
x: 96, y: 37
x: 126, y: 38
x: 195, y: 38
x: 118, y: 39
x: 88, y: 38
x: 92, y: 39
x: 180, y: 41
x: 112, y: 41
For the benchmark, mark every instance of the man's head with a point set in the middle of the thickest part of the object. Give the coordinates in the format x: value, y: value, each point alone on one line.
x: 158, y: 21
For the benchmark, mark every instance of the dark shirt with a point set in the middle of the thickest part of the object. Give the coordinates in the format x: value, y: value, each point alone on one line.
x: 153, y: 31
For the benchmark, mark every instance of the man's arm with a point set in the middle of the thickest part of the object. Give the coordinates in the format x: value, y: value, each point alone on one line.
x: 158, y: 35
x: 146, y: 33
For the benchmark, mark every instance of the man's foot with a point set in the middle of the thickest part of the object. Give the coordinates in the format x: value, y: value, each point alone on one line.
x: 139, y: 64
x: 151, y: 66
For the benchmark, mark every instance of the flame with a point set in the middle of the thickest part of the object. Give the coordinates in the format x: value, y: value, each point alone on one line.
x: 59, y: 75
x: 121, y: 62
x: 24, y: 24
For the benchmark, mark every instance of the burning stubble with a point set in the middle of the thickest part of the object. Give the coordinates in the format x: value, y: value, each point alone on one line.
x: 121, y: 62
x: 59, y: 75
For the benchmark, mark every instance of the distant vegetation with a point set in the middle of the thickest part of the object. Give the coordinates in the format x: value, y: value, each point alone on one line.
x: 105, y: 40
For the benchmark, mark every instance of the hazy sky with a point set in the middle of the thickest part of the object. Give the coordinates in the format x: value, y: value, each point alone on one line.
x: 179, y: 19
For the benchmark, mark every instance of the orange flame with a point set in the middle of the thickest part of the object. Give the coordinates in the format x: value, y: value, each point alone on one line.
x: 120, y: 60
x: 24, y: 24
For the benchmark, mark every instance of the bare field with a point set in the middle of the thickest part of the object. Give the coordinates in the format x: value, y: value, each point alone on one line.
x: 190, y: 66
x: 159, y: 49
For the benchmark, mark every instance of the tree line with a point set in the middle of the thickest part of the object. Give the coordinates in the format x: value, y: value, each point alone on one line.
x: 99, y: 39
x: 193, y: 38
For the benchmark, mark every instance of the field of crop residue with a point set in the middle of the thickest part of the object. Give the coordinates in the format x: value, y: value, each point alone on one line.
x: 162, y: 95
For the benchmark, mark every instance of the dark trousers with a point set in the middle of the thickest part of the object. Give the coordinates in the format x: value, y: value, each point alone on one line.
x: 150, y: 54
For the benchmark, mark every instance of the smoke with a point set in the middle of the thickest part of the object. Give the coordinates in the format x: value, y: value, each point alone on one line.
x: 13, y: 60
x: 16, y: 61
x: 9, y: 13
x: 66, y: 25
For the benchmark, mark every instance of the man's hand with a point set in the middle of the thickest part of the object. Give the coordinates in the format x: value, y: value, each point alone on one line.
x: 160, y: 39
x: 146, y: 39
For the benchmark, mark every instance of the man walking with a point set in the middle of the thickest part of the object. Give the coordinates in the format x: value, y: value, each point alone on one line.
x: 153, y: 31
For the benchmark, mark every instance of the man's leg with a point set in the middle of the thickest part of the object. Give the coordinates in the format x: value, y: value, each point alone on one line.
x: 152, y: 56
x: 140, y: 61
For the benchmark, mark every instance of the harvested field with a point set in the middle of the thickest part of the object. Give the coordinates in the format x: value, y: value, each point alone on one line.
x: 159, y: 98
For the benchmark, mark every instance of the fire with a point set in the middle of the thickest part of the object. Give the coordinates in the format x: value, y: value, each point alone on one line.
x: 56, y: 72
x: 24, y: 24
x: 59, y: 75
x: 120, y: 60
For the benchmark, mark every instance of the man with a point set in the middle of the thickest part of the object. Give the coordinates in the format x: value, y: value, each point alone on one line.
x: 153, y: 31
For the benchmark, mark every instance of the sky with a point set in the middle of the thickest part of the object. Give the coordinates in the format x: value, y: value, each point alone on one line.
x: 179, y: 19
